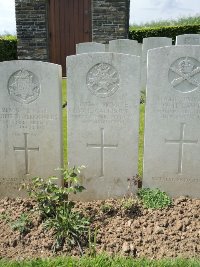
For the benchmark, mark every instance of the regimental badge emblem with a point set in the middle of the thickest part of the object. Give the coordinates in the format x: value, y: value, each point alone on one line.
x: 24, y: 86
x: 103, y: 80
x: 184, y: 74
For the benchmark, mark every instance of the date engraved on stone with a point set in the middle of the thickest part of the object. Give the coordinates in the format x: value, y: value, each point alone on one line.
x: 184, y: 74
x: 103, y: 80
x: 176, y: 179
x: 24, y: 86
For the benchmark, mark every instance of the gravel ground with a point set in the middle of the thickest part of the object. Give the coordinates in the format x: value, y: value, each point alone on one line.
x: 137, y: 232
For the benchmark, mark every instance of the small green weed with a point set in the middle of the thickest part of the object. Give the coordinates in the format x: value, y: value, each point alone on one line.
x: 107, y: 208
x: 130, y: 206
x: 68, y: 226
x: 57, y: 209
x: 143, y: 97
x: 154, y: 198
x: 128, y: 203
x: 92, y: 243
x: 22, y: 224
x: 5, y: 217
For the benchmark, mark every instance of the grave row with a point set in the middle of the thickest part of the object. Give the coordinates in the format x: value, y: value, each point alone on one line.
x: 132, y: 47
x: 103, y: 122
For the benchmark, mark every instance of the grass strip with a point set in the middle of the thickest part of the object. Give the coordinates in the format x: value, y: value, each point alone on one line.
x: 101, y: 261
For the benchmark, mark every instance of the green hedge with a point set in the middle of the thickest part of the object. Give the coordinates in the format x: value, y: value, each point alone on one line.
x: 164, y: 31
x: 8, y: 44
x: 8, y: 48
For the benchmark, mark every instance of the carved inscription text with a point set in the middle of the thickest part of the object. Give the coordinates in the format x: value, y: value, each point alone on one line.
x: 182, y: 107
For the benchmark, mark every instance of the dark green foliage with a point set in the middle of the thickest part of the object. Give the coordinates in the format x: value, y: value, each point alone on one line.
x: 163, y: 31
x: 154, y: 198
x: 8, y: 48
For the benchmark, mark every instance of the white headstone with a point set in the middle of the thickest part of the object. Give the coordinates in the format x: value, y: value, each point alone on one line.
x: 103, y: 119
x: 106, y: 47
x: 125, y: 46
x: 150, y: 43
x: 89, y: 47
x: 30, y: 123
x: 188, y: 39
x: 172, y: 123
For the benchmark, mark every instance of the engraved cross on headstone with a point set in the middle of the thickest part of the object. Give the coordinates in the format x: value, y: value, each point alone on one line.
x: 181, y: 141
x: 26, y: 150
x: 102, y: 146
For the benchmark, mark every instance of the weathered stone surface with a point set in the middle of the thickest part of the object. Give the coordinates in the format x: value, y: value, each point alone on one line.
x: 32, y: 29
x: 172, y: 124
x: 110, y: 20
x: 103, y: 116
x: 188, y: 39
x: 150, y: 43
x: 125, y: 46
x: 106, y: 47
x: 89, y: 47
x: 30, y: 123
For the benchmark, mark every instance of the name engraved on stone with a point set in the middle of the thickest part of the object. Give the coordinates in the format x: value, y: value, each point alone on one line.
x: 28, y: 119
x: 24, y: 86
x: 183, y: 108
x: 108, y: 112
x: 181, y: 141
x: 184, y: 74
x: 26, y: 150
x: 102, y: 146
x: 177, y: 179
x: 103, y: 80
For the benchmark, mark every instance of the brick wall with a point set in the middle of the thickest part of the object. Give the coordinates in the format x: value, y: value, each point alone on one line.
x: 31, y: 18
x: 110, y: 20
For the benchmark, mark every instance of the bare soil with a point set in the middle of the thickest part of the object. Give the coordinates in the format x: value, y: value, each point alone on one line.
x: 137, y: 232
